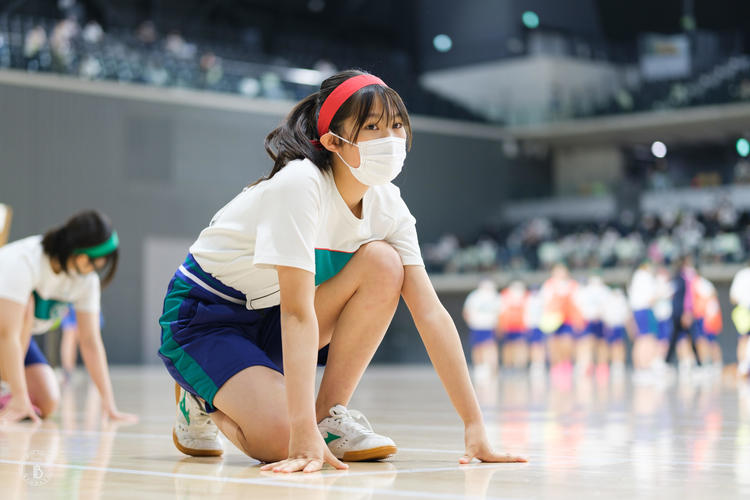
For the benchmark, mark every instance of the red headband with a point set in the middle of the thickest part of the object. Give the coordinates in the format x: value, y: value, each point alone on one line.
x: 339, y: 96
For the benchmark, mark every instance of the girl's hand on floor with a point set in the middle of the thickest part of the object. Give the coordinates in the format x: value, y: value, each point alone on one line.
x: 18, y: 410
x: 477, y: 446
x: 307, y: 453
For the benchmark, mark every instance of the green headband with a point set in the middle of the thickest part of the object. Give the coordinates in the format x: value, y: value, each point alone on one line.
x: 101, y: 249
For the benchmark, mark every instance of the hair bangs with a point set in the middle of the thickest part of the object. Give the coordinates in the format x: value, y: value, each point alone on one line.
x: 362, y: 103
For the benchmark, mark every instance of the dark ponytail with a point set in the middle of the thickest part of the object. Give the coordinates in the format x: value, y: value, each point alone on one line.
x: 84, y: 229
x: 293, y: 140
x: 297, y: 137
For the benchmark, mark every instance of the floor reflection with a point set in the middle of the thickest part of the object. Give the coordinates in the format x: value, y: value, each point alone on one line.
x: 700, y: 429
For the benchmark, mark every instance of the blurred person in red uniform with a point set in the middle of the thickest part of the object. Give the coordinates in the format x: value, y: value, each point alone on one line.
x: 558, y: 318
x: 512, y: 327
x: 705, y: 307
x: 712, y: 326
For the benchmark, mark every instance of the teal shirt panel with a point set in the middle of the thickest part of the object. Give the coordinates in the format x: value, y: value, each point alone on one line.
x: 328, y: 263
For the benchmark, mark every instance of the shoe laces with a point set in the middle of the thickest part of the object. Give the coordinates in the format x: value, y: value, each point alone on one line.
x: 351, y: 419
x: 201, y: 423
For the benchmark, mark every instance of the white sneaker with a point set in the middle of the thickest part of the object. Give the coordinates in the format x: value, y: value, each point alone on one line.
x: 350, y: 437
x: 194, y: 433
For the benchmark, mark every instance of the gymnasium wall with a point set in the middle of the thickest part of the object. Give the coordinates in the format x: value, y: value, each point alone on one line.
x: 160, y: 168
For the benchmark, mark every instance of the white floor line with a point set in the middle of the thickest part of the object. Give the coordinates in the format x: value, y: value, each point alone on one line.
x: 537, y: 457
x: 269, y: 481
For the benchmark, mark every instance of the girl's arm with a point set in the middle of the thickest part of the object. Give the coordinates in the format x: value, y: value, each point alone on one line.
x: 443, y: 345
x: 95, y: 358
x: 299, y: 342
x: 12, y: 324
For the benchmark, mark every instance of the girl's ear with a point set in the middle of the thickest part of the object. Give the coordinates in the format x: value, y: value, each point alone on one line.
x: 330, y: 142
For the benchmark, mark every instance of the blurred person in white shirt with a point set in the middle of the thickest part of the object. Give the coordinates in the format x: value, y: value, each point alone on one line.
x: 535, y: 336
x: 739, y: 295
x: 616, y: 317
x: 642, y: 297
x: 481, y: 310
x: 589, y: 300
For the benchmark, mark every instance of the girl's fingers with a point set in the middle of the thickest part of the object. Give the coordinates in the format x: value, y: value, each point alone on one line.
x: 501, y: 458
x: 12, y: 417
x: 274, y: 465
x: 270, y: 466
x: 304, y: 464
x: 295, y: 465
x: 335, y: 462
x: 313, y: 466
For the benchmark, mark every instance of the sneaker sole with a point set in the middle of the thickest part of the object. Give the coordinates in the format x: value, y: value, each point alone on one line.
x: 378, y: 453
x: 193, y: 452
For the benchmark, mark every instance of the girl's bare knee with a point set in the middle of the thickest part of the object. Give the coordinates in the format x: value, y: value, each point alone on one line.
x: 385, y: 265
x: 269, y: 450
x: 271, y: 444
x: 47, y: 406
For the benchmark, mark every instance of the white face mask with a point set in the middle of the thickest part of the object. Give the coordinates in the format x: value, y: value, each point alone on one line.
x: 380, y: 160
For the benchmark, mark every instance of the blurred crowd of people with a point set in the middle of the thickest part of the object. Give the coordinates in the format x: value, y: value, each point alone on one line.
x: 720, y: 235
x: 76, y: 45
x: 581, y: 328
x: 80, y: 47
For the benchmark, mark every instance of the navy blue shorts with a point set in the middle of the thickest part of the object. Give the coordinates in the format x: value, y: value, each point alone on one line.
x: 477, y: 337
x: 666, y: 327
x: 614, y: 334
x: 564, y: 329
x: 536, y: 335
x: 595, y: 328
x: 646, y: 322
x: 207, y: 338
x: 513, y: 336
x: 34, y: 355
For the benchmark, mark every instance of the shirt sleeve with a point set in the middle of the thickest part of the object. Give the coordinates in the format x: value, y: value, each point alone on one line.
x: 16, y: 279
x: 289, y: 222
x: 90, y: 296
x: 404, y: 236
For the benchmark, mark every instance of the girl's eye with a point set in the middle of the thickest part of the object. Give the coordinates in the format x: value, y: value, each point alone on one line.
x: 398, y: 125
x: 372, y: 126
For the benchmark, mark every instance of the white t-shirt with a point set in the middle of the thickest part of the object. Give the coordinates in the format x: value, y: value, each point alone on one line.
x: 616, y: 309
x: 739, y: 292
x: 481, y: 309
x: 534, y: 310
x: 590, y: 299
x: 664, y: 290
x: 298, y: 219
x: 25, y: 270
x: 641, y: 292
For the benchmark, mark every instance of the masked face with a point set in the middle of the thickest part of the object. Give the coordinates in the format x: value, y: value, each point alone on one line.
x: 380, y: 160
